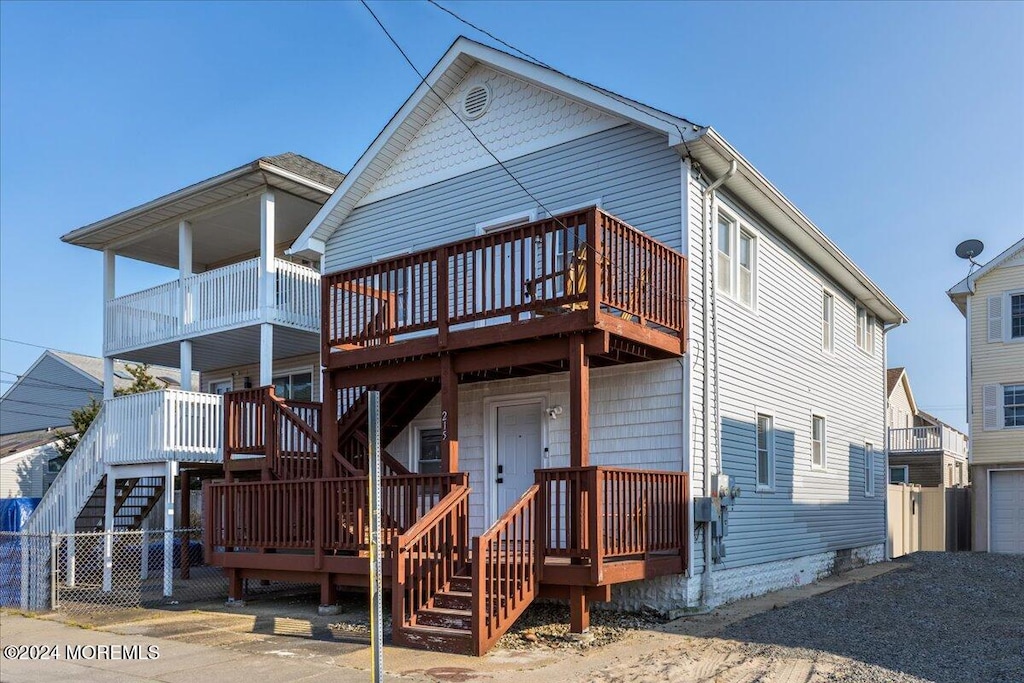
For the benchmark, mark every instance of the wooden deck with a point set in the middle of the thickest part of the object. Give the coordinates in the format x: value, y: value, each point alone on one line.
x: 563, y: 294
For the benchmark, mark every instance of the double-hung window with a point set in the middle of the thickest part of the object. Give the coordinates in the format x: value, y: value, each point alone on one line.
x: 828, y: 305
x: 818, y: 441
x: 765, y: 452
x: 429, y: 457
x: 1017, y: 316
x: 869, y: 469
x: 865, y: 330
x: 737, y: 260
x: 1013, y: 405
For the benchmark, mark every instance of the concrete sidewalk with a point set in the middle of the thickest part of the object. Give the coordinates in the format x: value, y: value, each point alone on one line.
x: 284, y: 643
x: 178, y: 662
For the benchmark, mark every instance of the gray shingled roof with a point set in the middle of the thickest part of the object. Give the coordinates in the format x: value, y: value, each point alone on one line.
x: 93, y: 366
x: 307, y: 168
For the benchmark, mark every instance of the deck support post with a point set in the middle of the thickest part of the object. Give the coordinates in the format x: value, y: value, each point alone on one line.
x: 172, y: 469
x: 579, y: 609
x: 329, y: 420
x: 449, y: 415
x: 109, y: 269
x: 186, y: 521
x: 235, y: 593
x: 328, y: 593
x: 108, y: 531
x: 267, y: 287
x: 579, y: 402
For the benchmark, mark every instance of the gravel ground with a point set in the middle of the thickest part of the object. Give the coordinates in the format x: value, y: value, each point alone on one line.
x: 948, y: 618
x: 546, y: 625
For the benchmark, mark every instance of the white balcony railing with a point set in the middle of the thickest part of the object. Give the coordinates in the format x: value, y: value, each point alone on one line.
x: 218, y: 299
x: 163, y: 425
x: 927, y: 439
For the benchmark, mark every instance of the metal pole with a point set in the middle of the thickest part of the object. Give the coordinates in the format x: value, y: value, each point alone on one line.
x: 376, y: 610
x: 54, y: 570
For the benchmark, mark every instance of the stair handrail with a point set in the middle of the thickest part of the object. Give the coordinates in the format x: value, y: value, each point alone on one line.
x: 76, y: 476
x: 498, y: 599
x: 440, y: 536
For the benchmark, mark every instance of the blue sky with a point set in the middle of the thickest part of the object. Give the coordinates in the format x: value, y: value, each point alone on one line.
x: 897, y: 127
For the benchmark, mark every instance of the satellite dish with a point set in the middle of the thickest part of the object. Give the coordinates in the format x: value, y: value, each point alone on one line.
x: 968, y: 249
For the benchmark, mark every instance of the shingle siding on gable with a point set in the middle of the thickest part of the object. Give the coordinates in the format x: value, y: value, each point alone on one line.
x: 632, y: 170
x: 46, y: 397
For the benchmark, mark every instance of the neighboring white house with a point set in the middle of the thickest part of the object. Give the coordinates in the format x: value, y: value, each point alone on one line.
x: 784, y: 386
x: 25, y: 469
x: 992, y: 300
x: 240, y: 313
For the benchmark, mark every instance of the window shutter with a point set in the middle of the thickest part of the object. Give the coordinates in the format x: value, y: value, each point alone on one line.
x: 995, y: 318
x: 990, y: 403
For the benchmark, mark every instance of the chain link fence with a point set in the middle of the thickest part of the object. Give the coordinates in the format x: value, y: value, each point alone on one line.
x: 88, y: 572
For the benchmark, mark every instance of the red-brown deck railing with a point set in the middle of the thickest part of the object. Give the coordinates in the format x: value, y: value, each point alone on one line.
x: 428, y: 555
x: 599, y: 513
x: 581, y: 260
x: 506, y: 574
x: 286, y: 432
x: 323, y: 515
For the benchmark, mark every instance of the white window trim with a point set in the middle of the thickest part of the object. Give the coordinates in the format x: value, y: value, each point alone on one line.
x: 869, y: 475
x: 823, y: 467
x: 826, y: 291
x: 1007, y: 320
x: 906, y: 473
x: 415, y: 428
x: 739, y: 226
x: 517, y: 218
x: 1001, y: 407
x: 870, y: 323
x: 770, y: 486
x: 576, y: 207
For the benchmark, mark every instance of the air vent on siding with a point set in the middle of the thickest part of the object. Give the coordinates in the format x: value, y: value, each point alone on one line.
x: 476, y: 101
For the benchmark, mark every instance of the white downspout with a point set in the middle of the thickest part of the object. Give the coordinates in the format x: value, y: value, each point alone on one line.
x: 886, y: 329
x: 708, y: 311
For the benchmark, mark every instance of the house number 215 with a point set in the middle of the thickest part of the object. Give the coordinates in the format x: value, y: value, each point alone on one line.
x: 444, y: 425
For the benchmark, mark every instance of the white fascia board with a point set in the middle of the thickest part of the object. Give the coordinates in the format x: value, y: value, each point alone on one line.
x: 76, y: 236
x: 814, y: 242
x: 674, y: 128
x: 295, y: 178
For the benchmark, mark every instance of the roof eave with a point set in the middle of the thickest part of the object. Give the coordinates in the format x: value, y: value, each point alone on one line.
x: 823, y: 249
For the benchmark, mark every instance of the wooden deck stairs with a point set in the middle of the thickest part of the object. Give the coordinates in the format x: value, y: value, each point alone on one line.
x: 134, y: 500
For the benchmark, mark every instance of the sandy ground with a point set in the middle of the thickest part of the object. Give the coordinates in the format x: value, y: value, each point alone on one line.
x: 907, y: 621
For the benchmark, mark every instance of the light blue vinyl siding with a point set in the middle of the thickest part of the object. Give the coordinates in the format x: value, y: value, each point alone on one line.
x: 46, y: 397
x: 633, y: 171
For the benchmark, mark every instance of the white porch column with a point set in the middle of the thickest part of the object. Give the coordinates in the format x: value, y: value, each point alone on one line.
x: 185, y: 314
x: 69, y: 566
x: 268, y: 286
x: 172, y: 470
x: 108, y: 528
x: 109, y: 261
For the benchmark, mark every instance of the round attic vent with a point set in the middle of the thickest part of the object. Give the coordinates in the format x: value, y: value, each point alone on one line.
x: 475, y: 101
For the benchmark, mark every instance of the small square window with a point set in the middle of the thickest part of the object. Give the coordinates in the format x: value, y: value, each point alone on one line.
x: 899, y: 474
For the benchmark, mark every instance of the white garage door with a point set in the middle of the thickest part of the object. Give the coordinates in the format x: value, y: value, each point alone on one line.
x: 1006, y: 512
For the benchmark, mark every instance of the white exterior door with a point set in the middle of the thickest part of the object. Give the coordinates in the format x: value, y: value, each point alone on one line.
x: 1006, y: 511
x: 519, y: 451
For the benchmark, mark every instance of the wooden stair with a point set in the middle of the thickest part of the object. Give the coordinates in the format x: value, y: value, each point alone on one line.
x: 482, y: 587
x: 134, y: 500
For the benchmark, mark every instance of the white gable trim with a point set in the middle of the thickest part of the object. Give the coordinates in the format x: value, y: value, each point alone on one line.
x: 446, y: 75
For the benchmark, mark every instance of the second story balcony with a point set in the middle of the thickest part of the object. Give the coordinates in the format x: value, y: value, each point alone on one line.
x: 580, y: 273
x: 929, y: 439
x: 214, y: 301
